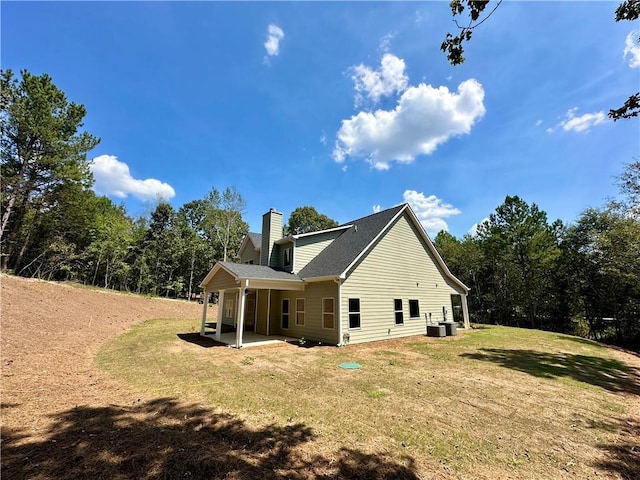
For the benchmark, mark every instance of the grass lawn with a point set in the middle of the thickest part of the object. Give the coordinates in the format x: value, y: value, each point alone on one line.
x: 490, y: 403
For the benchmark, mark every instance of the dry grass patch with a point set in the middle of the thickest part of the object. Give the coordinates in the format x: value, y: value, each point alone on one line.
x: 491, y: 403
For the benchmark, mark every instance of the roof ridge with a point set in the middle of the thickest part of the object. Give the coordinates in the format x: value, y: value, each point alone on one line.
x: 386, y: 210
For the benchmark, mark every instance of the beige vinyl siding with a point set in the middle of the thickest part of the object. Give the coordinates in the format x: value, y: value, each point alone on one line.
x: 312, y: 328
x: 222, y: 281
x: 279, y: 250
x: 399, y: 266
x: 274, y: 319
x: 249, y: 254
x: 307, y: 248
x: 262, y: 305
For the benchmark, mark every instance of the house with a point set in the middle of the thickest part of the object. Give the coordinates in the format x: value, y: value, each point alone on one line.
x: 375, y: 278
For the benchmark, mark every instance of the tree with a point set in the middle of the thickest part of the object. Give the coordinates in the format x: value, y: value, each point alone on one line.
x: 453, y: 44
x: 41, y: 150
x: 523, y: 247
x: 629, y: 184
x: 307, y: 219
x: 604, y: 249
x: 223, y: 222
x: 199, y: 253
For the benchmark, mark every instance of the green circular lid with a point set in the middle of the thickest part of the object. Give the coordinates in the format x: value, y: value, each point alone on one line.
x: 349, y: 366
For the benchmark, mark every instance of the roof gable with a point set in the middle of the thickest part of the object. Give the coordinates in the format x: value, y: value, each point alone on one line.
x: 353, y: 242
x: 254, y: 239
x: 346, y: 250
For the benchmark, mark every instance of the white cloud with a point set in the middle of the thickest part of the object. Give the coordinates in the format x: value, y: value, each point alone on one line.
x: 538, y: 123
x: 582, y: 123
x: 323, y: 138
x: 424, y: 118
x: 431, y: 211
x: 112, y: 177
x: 385, y: 42
x: 274, y: 35
x: 377, y: 208
x: 373, y: 84
x: 632, y: 49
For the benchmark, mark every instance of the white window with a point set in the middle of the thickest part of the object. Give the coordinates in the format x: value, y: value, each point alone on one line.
x: 397, y: 309
x: 228, y: 308
x: 299, y: 311
x: 328, y: 313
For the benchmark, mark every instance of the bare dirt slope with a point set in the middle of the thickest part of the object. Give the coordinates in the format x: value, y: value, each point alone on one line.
x: 50, y: 333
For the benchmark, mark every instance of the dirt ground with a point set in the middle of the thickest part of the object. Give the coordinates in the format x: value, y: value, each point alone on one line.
x: 62, y: 417
x: 50, y: 334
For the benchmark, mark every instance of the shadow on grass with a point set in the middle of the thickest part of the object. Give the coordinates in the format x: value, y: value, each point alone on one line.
x: 623, y: 457
x: 199, y: 340
x: 612, y: 375
x: 164, y: 439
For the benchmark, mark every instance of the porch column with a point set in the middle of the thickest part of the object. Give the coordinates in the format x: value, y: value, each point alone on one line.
x: 465, y: 311
x: 205, y: 296
x: 242, y: 300
x: 220, y: 310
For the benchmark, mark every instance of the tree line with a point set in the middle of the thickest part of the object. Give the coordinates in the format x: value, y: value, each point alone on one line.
x: 523, y: 270
x: 54, y: 226
x: 581, y: 278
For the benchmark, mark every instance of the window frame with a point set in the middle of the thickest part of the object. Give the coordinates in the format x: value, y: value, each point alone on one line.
x: 228, y: 308
x: 300, y: 313
x: 332, y: 313
x: 354, y: 313
x: 398, y: 312
x: 287, y: 257
x: 417, y: 308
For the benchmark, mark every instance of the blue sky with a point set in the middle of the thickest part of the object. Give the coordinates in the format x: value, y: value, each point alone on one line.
x: 348, y: 107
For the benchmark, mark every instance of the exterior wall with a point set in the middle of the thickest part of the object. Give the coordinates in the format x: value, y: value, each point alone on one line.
x: 307, y: 248
x: 222, y: 281
x: 399, y: 266
x: 262, y: 304
x: 278, y: 256
x: 250, y: 255
x: 312, y: 328
x: 274, y: 319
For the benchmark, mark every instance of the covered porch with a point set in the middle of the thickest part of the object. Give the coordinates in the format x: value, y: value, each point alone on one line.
x: 251, y: 339
x: 248, y: 309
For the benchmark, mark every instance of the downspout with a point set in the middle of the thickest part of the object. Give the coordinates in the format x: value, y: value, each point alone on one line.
x: 339, y: 310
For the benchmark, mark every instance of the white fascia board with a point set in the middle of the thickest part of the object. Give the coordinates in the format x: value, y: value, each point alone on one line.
x: 322, y: 279
x: 264, y: 284
x: 318, y: 232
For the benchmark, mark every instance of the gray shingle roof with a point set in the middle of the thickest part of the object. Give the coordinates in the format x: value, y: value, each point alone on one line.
x: 335, y: 259
x: 256, y: 238
x: 241, y: 270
